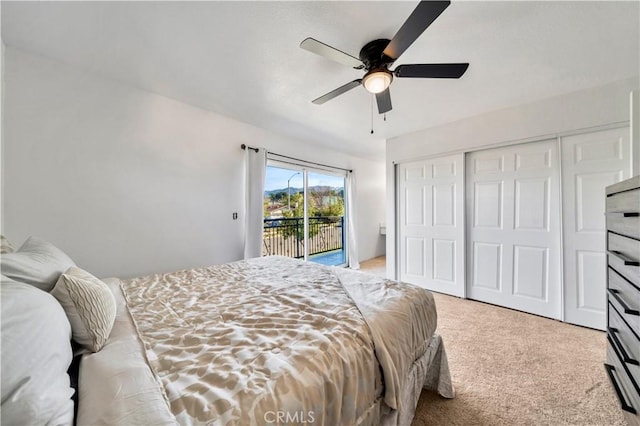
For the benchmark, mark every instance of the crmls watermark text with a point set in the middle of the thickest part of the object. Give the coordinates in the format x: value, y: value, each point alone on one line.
x: 284, y: 417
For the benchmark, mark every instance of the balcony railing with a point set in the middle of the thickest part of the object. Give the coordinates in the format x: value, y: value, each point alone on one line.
x: 285, y: 236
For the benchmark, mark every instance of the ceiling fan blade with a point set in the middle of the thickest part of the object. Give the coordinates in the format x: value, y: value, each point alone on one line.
x: 337, y: 92
x: 431, y: 70
x: 423, y: 15
x: 319, y: 48
x: 384, y: 101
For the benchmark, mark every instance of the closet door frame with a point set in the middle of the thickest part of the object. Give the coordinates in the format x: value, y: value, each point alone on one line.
x: 558, y: 138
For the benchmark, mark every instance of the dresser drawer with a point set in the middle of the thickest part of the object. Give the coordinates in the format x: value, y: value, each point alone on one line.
x: 624, y: 202
x: 624, y: 224
x: 624, y: 256
x: 626, y: 341
x: 622, y: 383
x: 623, y: 213
x: 625, y: 298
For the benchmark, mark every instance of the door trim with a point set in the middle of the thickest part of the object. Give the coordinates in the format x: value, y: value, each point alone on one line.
x: 560, y: 195
x: 557, y: 135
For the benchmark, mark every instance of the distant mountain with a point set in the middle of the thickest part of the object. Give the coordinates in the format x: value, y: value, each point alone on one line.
x: 318, y: 188
x: 283, y: 190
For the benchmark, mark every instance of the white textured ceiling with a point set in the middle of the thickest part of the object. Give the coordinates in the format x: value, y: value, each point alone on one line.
x: 242, y: 60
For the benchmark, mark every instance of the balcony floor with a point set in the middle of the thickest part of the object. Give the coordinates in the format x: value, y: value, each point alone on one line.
x: 330, y: 258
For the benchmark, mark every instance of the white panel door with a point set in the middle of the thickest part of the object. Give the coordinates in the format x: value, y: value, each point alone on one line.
x: 590, y: 162
x: 431, y: 219
x: 513, y: 219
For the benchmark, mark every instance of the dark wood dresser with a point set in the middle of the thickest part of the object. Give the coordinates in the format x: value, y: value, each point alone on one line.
x: 623, y: 294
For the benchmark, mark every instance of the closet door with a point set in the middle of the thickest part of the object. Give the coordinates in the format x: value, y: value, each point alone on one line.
x: 513, y: 216
x: 590, y: 162
x: 431, y: 218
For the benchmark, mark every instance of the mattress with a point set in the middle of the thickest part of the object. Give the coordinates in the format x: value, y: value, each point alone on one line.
x: 267, y: 340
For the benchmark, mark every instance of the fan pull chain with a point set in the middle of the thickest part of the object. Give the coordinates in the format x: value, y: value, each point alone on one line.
x: 371, y: 114
x: 385, y: 116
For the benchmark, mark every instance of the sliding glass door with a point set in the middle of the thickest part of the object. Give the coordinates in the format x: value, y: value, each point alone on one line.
x: 284, y: 212
x: 304, y: 214
x: 326, y: 214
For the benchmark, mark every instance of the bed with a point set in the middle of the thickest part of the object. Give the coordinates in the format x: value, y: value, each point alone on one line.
x: 269, y: 340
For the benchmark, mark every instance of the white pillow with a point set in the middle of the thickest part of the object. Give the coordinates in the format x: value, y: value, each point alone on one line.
x: 37, y: 262
x: 89, y: 305
x: 36, y: 354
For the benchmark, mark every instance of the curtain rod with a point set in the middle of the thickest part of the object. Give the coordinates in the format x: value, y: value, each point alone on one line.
x: 243, y: 146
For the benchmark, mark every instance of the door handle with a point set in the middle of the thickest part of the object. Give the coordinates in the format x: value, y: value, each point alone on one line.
x: 625, y: 357
x: 623, y: 404
x: 627, y: 310
x: 627, y: 260
x: 624, y: 214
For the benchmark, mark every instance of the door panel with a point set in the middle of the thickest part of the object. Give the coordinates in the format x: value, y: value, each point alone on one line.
x: 414, y: 205
x: 444, y: 207
x: 444, y: 260
x: 431, y: 237
x: 590, y: 270
x: 488, y: 163
x: 532, y: 204
x: 530, y: 272
x: 487, y: 265
x: 589, y: 199
x: 590, y: 163
x: 488, y: 204
x: 533, y: 160
x: 514, y: 227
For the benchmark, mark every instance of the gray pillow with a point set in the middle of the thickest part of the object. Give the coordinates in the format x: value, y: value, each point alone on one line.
x: 37, y: 262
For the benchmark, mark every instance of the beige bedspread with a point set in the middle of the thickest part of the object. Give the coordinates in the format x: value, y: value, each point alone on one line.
x: 246, y: 342
x: 401, y: 319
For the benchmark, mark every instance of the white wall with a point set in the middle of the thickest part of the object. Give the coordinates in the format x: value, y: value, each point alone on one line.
x: 539, y: 120
x: 1, y: 130
x: 128, y: 182
x: 634, y: 129
x: 1, y: 127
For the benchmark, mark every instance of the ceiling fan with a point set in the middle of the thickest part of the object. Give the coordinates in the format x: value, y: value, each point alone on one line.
x: 378, y: 55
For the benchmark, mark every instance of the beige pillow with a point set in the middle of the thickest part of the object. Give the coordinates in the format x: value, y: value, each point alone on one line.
x: 89, y: 305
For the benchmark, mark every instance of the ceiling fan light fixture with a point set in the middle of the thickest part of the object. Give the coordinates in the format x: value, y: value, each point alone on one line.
x: 377, y: 81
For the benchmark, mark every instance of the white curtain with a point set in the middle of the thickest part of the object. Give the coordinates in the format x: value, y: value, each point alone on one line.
x: 351, y: 215
x: 255, y: 169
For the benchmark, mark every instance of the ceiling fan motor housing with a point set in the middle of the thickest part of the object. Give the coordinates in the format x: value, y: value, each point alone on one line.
x: 378, y: 76
x: 372, y: 57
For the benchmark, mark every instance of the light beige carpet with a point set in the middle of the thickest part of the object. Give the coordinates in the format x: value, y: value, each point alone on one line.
x: 513, y: 368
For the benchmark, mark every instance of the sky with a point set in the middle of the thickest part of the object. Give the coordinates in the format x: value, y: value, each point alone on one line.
x: 277, y: 179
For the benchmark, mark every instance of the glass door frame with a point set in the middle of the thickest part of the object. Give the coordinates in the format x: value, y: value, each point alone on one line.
x: 305, y: 170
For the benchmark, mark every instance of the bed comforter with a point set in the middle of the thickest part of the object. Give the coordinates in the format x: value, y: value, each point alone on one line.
x: 276, y: 340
